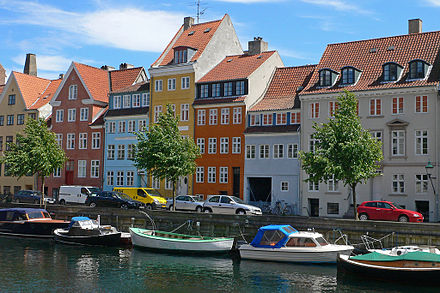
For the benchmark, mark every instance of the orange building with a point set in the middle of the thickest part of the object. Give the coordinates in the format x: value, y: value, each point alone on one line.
x: 223, y: 97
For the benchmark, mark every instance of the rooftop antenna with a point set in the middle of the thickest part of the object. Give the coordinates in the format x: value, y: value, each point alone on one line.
x: 199, y: 12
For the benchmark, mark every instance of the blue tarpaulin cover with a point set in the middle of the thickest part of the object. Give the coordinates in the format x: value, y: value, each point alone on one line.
x: 275, y: 242
x: 77, y: 219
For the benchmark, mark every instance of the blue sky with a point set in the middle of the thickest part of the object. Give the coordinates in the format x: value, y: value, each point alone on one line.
x: 98, y: 32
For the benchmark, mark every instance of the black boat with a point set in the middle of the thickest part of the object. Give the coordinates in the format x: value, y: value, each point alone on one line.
x: 85, y: 231
x: 28, y: 222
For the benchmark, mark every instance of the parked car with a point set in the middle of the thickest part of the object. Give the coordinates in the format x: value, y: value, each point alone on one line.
x: 50, y: 200
x: 111, y: 199
x: 186, y: 203
x: 386, y: 211
x: 148, y: 196
x: 28, y: 196
x: 226, y: 204
x: 76, y: 193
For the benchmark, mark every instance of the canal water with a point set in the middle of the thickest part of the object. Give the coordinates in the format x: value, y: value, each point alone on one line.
x: 43, y: 266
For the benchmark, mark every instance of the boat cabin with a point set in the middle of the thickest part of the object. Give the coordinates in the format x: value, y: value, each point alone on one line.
x: 23, y: 214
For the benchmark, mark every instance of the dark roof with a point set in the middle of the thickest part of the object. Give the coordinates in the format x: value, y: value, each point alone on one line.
x: 276, y: 129
x: 221, y: 100
x: 137, y: 87
x: 125, y: 112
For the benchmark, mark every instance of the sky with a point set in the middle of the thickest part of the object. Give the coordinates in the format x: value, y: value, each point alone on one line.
x: 111, y: 32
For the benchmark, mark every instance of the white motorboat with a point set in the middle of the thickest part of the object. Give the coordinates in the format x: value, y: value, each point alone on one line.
x: 285, y: 244
x: 400, y: 250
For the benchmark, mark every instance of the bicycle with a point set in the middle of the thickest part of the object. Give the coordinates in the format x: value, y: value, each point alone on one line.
x: 281, y: 208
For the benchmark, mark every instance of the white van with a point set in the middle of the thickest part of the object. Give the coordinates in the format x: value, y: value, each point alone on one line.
x: 75, y: 193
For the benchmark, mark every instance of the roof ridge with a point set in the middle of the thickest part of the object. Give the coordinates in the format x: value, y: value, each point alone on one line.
x: 208, y: 22
x: 133, y: 68
x: 33, y: 76
x: 76, y: 63
x: 300, y: 66
x: 245, y: 54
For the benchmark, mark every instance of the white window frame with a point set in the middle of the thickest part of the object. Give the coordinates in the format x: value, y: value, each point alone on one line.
x: 126, y: 101
x: 121, y: 151
x: 420, y: 140
x: 294, y: 116
x: 201, y: 144
x: 224, y: 116
x: 398, y: 184
x: 111, y: 127
x: 131, y: 126
x: 201, y: 117
x: 73, y: 92
x: 136, y: 101
x: 145, y: 99
x: 212, y: 145
x: 267, y: 119
x: 111, y: 150
x: 236, y: 145
x: 84, y: 114
x: 223, y: 175
x: 200, y: 174
x: 255, y: 120
x: 237, y: 116
x: 332, y: 184
x: 71, y: 115
x: 421, y: 105
x: 82, y: 141
x: 376, y: 103
x: 224, y: 145
x: 399, y: 110
x: 57, y: 173
x: 120, y: 178
x: 70, y: 145
x: 239, y: 88
x: 130, y: 151
x: 96, y: 140
x: 158, y: 85
x: 157, y: 113
x: 204, y: 91
x: 121, y: 127
x: 155, y: 182
x: 314, y: 110
x: 168, y: 184
x: 117, y: 102
x: 59, y: 139
x: 94, y: 169
x: 278, y: 151
x: 250, y: 152
x: 279, y: 116
x: 212, y: 174
x: 284, y: 186
x: 171, y: 84
x: 264, y: 151
x: 313, y: 187
x: 82, y: 168
x: 184, y: 112
x: 110, y: 178
x: 59, y: 116
x: 185, y: 82
x: 398, y: 143
x: 292, y: 150
x: 421, y: 185
x: 213, y: 116
x: 142, y: 126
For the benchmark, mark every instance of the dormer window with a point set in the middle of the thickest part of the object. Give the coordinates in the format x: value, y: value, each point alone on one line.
x: 327, y: 77
x: 391, y: 71
x: 180, y: 56
x: 417, y: 69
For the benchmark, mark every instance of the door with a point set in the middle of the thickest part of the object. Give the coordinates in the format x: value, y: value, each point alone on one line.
x: 214, y: 204
x: 69, y: 172
x: 182, y: 186
x: 422, y: 206
x: 384, y: 211
x: 180, y: 202
x: 314, y: 207
x: 236, y: 181
x: 225, y: 205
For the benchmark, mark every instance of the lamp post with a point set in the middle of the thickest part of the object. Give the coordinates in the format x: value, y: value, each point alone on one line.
x: 428, y: 169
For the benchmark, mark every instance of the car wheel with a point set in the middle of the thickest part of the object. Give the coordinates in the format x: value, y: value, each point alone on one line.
x: 92, y: 204
x: 208, y: 210
x: 403, y: 219
x: 36, y: 201
x: 199, y: 209
x: 149, y: 207
x: 17, y: 200
x: 124, y: 206
x: 240, y: 212
x: 170, y: 208
x: 62, y: 202
x: 363, y: 217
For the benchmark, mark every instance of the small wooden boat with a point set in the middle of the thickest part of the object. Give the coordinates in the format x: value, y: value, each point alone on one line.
x: 285, y: 244
x: 154, y: 239
x: 416, y: 266
x: 28, y: 222
x: 84, y: 231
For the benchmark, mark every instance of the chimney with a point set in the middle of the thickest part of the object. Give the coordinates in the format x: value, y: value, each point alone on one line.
x: 2, y: 75
x: 30, y: 67
x: 61, y: 76
x: 414, y: 26
x: 257, y: 46
x: 107, y: 67
x: 125, y: 66
x: 188, y: 22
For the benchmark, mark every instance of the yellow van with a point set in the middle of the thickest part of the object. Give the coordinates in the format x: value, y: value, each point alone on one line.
x: 149, y: 196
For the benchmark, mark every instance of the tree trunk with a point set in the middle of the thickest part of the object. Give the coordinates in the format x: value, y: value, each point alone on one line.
x: 42, y: 191
x: 174, y: 195
x: 353, y: 190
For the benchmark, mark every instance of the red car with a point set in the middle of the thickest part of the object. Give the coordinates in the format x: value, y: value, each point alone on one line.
x: 386, y: 211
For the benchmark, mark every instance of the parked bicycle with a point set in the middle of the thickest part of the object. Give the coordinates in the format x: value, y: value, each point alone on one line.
x: 282, y: 208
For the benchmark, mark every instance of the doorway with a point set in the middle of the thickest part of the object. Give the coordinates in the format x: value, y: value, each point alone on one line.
x: 260, y: 189
x: 236, y: 181
x: 422, y: 206
x: 69, y: 172
x: 314, y: 207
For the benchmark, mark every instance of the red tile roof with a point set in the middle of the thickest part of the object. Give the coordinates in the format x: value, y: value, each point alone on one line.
x: 32, y: 87
x: 45, y: 98
x: 284, y: 88
x: 369, y: 56
x: 197, y: 40
x: 236, y: 67
x: 125, y: 77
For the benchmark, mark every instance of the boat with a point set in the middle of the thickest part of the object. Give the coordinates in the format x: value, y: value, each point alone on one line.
x: 399, y: 250
x: 415, y: 266
x: 168, y: 241
x: 283, y: 243
x: 85, y: 231
x: 28, y: 222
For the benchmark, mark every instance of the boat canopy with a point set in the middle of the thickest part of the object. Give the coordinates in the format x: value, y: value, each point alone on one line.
x: 77, y: 219
x: 413, y: 256
x: 273, y: 236
x: 16, y: 214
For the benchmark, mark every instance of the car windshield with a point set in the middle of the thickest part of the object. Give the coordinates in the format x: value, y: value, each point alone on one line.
x: 193, y: 198
x: 397, y: 206
x: 237, y: 200
x: 94, y: 190
x: 122, y: 195
x: 153, y: 192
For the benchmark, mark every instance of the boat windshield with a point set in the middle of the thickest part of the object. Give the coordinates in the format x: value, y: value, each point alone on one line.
x: 322, y: 241
x: 237, y: 200
x: 37, y: 215
x: 86, y: 224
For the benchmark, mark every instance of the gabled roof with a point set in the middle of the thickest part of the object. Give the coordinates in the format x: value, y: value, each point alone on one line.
x: 369, y: 56
x: 96, y: 80
x: 45, y: 98
x: 123, y: 78
x: 236, y: 67
x: 140, y: 86
x: 197, y: 40
x: 283, y: 90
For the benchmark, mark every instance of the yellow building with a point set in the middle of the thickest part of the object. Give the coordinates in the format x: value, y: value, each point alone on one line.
x: 194, y: 50
x: 23, y: 96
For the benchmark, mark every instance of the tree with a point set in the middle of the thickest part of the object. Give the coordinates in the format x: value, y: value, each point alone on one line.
x: 343, y: 150
x: 36, y: 152
x: 164, y: 152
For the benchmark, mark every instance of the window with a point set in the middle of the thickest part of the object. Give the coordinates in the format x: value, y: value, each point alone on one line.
x: 284, y: 186
x: 94, y: 170
x: 130, y: 151
x: 59, y: 117
x: 325, y: 77
x: 71, y: 141
x: 131, y: 126
x: 236, y: 145
x: 111, y: 152
x: 1, y: 148
x: 255, y: 120
x: 281, y: 118
x: 224, y: 145
x: 292, y: 151
x: 111, y: 127
x: 237, y: 116
x: 11, y: 100
x: 421, y: 142
x: 180, y: 56
x: 110, y: 179
x: 145, y: 99
x: 264, y: 151
x: 398, y: 142
x: 278, y: 151
x: 30, y: 115
x: 201, y: 145
x: 58, y: 138
x: 84, y: 114
x: 2, y: 120
x: 155, y: 182
x: 250, y: 151
x: 239, y: 88
x: 398, y: 184
x: 71, y: 115
x: 267, y: 119
x: 20, y: 119
x: 117, y: 102
x: 421, y: 183
x: 96, y: 140
x: 333, y: 208
x: 224, y: 116
x: 142, y: 125
x: 9, y: 140
x: 227, y: 89
x: 377, y: 135
x: 184, y: 112
x: 171, y: 84
x: 73, y: 92
x: 168, y: 184
x: 213, y: 117
x: 223, y: 175
x: 204, y: 91
x: 314, y: 110
x: 216, y: 90
x: 312, y: 143
x: 185, y: 82
x: 390, y: 72
x: 130, y: 178
x: 136, y: 100
x: 200, y: 174
x: 120, y: 178
x: 10, y: 120
x: 313, y: 186
x: 121, y: 125
x: 347, y: 76
x: 157, y: 112
x: 421, y: 104
x: 201, y: 114
x: 397, y: 106
x: 57, y: 172
x: 82, y: 143
x: 375, y: 107
x: 158, y: 85
x: 295, y: 118
x: 126, y: 101
x: 332, y: 184
x: 417, y: 69
x: 121, y: 151
x: 211, y: 174
x: 332, y: 107
x: 212, y: 145
x: 82, y: 164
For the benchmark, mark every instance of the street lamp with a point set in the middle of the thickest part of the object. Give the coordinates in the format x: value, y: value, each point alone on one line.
x: 428, y: 169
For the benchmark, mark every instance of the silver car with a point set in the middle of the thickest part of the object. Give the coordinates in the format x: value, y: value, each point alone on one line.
x: 226, y: 204
x: 186, y: 203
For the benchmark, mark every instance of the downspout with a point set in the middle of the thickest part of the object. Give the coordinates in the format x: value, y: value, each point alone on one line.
x: 299, y: 190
